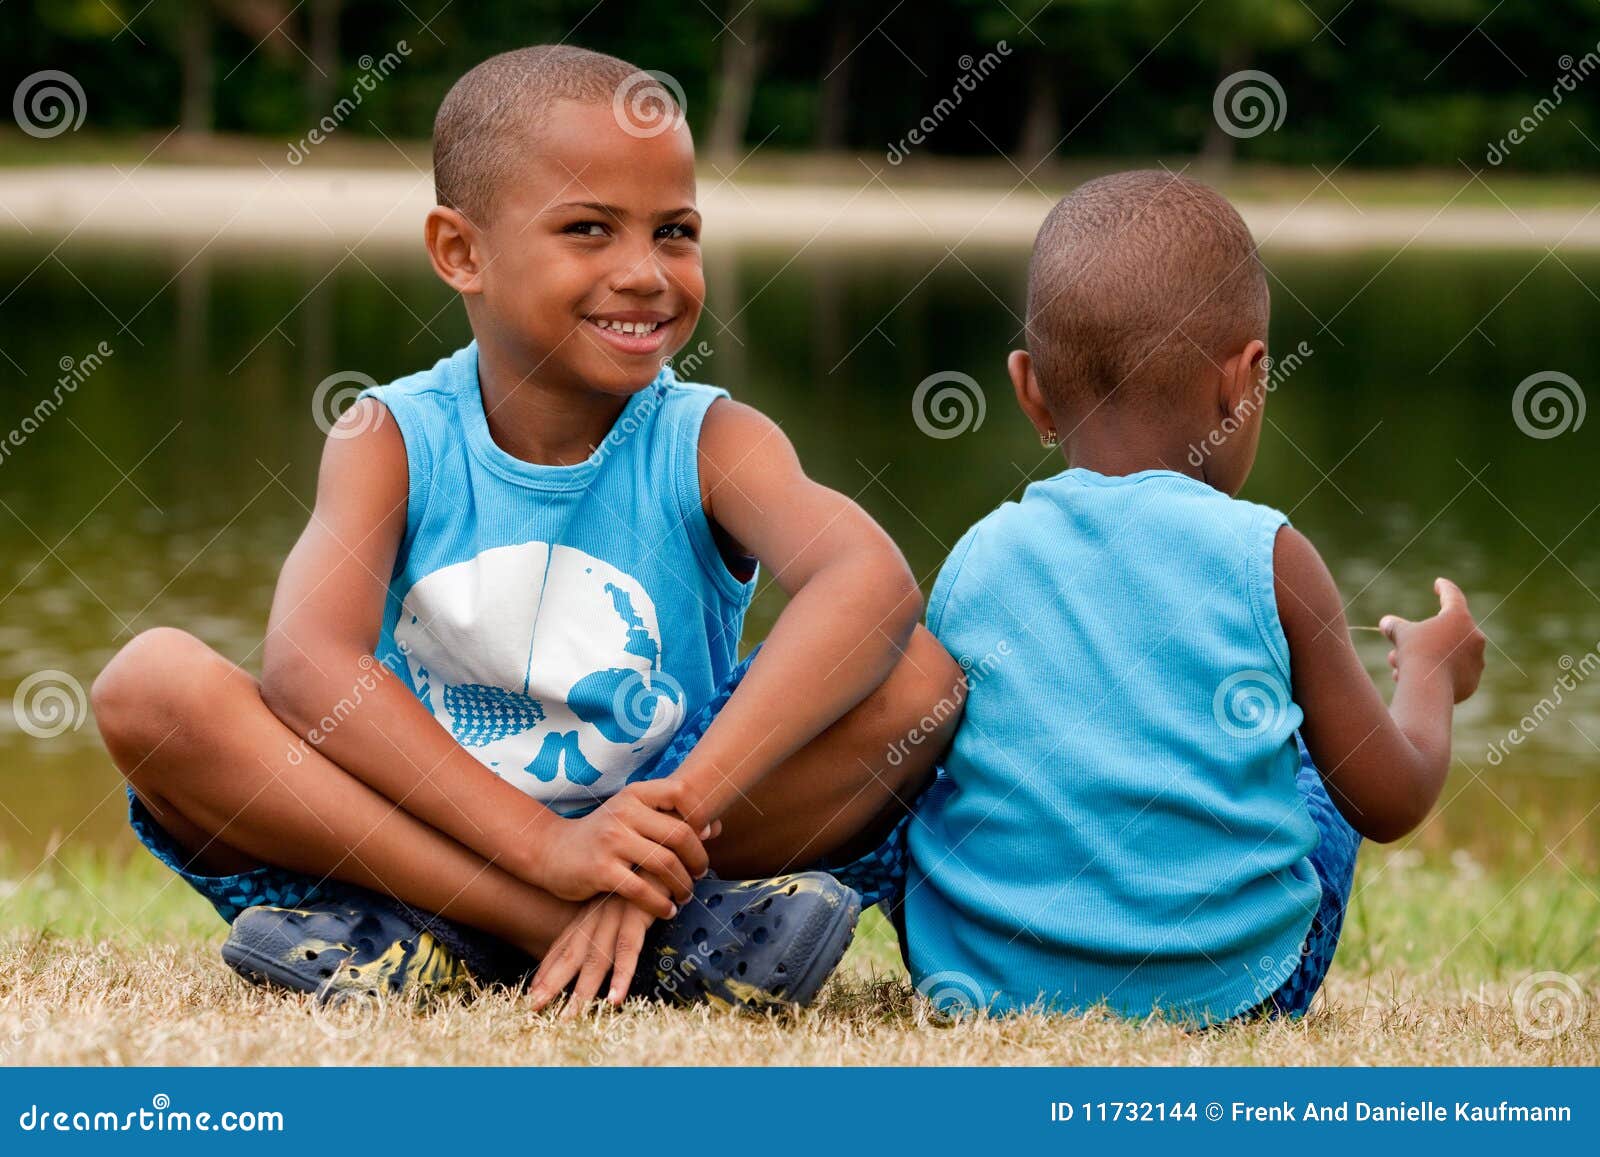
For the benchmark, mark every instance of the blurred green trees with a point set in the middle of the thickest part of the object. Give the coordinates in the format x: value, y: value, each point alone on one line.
x: 1393, y: 82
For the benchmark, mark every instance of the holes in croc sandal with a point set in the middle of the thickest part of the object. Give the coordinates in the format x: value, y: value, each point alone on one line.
x: 759, y: 935
x: 791, y: 889
x: 408, y: 945
x: 699, y: 936
x: 716, y: 957
x: 715, y: 901
x: 310, y: 954
x: 742, y: 967
x: 738, y: 919
x: 764, y: 905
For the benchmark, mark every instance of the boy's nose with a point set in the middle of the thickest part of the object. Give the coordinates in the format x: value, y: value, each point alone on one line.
x: 641, y: 273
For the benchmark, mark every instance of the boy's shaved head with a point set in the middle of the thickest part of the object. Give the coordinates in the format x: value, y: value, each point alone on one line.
x: 490, y: 119
x: 1140, y: 284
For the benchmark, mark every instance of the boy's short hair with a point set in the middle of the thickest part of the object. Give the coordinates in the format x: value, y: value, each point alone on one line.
x: 489, y: 121
x: 1140, y: 282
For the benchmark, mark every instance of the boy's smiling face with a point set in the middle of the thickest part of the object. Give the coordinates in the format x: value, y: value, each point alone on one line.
x: 587, y: 274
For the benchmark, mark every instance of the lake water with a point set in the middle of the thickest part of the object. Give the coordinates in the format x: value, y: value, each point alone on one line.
x: 175, y: 475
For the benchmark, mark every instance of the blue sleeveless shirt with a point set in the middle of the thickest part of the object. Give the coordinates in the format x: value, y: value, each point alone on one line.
x: 1118, y: 819
x: 560, y: 621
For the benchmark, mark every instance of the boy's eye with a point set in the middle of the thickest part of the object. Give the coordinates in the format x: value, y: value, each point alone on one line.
x: 682, y: 231
x: 587, y: 229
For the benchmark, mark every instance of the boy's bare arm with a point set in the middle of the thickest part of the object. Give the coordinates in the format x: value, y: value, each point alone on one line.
x: 853, y: 605
x: 1384, y: 766
x: 318, y: 666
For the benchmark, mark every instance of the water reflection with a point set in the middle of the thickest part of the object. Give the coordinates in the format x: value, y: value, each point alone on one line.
x: 168, y: 487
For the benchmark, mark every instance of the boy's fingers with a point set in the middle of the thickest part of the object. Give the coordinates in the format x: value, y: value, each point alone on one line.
x: 661, y: 794
x: 1391, y: 625
x: 646, y: 893
x: 548, y: 982
x: 664, y: 865
x: 1450, y: 596
x: 596, y: 962
x: 673, y: 833
x: 554, y: 972
x: 630, y: 942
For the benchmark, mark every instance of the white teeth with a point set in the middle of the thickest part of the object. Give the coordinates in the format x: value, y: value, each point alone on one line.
x: 631, y: 327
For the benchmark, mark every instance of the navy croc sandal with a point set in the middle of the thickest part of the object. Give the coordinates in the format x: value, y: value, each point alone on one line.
x: 750, y: 944
x: 337, y: 949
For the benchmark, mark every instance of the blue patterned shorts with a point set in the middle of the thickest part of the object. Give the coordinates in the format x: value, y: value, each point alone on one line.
x: 878, y: 876
x: 1335, y: 864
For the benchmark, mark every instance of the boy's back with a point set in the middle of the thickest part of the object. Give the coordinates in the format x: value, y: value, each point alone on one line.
x: 1122, y: 817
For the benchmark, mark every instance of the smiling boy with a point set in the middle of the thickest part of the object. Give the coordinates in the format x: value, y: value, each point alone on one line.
x: 550, y: 543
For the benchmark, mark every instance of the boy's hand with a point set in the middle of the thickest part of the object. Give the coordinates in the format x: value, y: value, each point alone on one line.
x: 634, y: 829
x: 607, y: 937
x: 1451, y: 639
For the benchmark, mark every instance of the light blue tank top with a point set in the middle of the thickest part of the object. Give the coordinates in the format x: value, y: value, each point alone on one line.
x: 1118, y: 819
x: 560, y: 621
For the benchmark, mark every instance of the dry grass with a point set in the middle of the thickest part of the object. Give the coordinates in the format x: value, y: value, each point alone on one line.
x: 1427, y: 975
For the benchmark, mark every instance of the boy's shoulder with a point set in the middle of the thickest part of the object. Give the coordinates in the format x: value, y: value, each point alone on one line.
x: 693, y: 398
x: 1157, y: 496
x: 1081, y: 493
x: 672, y: 382
x: 443, y: 377
x: 1025, y: 539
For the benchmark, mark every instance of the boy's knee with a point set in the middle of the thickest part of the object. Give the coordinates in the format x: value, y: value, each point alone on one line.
x: 919, y: 704
x: 148, y: 688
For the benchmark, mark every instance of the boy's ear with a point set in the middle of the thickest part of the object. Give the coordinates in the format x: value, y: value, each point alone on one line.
x: 1244, y: 377
x: 455, y: 247
x: 1030, y: 398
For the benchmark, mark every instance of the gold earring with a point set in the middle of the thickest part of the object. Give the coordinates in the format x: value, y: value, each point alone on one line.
x: 1049, y: 438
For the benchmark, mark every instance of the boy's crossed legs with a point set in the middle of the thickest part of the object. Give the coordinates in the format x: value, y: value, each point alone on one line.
x: 235, y: 790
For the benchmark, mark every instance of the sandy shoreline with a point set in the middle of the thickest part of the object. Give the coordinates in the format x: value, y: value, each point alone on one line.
x: 366, y: 208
